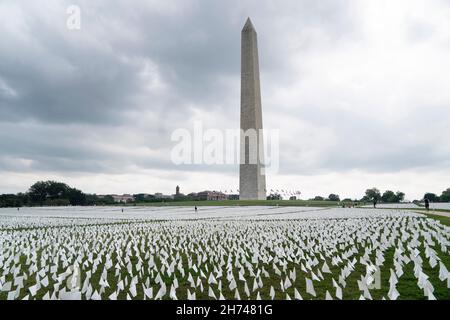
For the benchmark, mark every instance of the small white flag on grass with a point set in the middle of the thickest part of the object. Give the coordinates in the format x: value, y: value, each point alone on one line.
x: 325, y: 268
x: 161, y: 292
x: 246, y: 290
x: 11, y: 295
x: 113, y: 296
x: 96, y: 296
x: 314, y: 277
x: 287, y: 283
x: 433, y: 262
x: 393, y: 279
x: 148, y: 292
x: 211, y: 279
x: 33, y: 290
x: 297, y: 295
x: 236, y: 295
x: 367, y: 294
x: 443, y: 272
x: 339, y: 292
x: 211, y: 293
x: 422, y: 281
x: 190, y: 296
x: 46, y: 296
x: 132, y: 290
x: 173, y: 294
x: 310, y: 287
x: 44, y: 282
x: 393, y: 293
x: 293, y: 275
x: 255, y: 285
x: 232, y: 285
x: 430, y: 295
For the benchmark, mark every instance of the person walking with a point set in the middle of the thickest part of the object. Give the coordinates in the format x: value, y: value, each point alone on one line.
x: 195, y: 209
x: 374, y: 202
x: 427, y: 204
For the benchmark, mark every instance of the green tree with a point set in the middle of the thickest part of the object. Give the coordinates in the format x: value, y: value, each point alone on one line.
x: 391, y: 197
x: 388, y: 196
x: 55, y: 193
x: 334, y: 197
x: 76, y: 197
x: 373, y: 194
x: 38, y: 192
x: 400, y: 196
x: 58, y: 190
x: 431, y: 197
x: 445, y: 197
x: 274, y: 196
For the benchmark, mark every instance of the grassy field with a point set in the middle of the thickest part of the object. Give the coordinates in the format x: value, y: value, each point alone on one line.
x: 433, y: 210
x: 407, y: 286
x: 133, y: 254
x: 441, y: 219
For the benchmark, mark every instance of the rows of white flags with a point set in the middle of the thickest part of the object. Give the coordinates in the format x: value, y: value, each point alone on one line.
x: 333, y: 254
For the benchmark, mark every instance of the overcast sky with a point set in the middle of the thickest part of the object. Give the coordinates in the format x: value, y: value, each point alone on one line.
x: 360, y: 91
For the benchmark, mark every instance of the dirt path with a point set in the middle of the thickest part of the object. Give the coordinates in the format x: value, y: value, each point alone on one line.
x: 437, y: 213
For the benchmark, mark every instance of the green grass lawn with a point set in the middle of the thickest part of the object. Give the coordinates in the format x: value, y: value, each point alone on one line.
x: 441, y: 219
x: 407, y: 285
x: 432, y: 210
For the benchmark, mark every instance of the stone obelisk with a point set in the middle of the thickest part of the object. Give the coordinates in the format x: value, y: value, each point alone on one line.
x: 252, y: 179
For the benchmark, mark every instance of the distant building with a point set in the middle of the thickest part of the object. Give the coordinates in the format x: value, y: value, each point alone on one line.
x: 192, y: 196
x: 178, y: 195
x: 142, y: 197
x: 233, y: 197
x: 159, y: 195
x: 211, y: 196
x: 123, y: 198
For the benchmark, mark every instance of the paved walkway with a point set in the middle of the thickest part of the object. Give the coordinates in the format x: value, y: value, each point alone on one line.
x: 436, y: 213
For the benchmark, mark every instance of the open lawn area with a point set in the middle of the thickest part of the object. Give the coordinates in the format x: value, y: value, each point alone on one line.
x: 270, y: 203
x: 228, y: 252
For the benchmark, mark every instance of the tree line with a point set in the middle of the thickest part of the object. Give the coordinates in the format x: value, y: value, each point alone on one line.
x: 387, y: 196
x: 52, y: 193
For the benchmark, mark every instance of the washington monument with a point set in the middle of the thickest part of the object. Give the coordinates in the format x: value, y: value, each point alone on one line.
x: 252, y: 179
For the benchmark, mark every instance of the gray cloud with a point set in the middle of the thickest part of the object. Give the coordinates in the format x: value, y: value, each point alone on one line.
x: 346, y: 94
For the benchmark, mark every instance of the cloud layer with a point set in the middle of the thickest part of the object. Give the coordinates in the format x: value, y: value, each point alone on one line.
x: 359, y: 91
